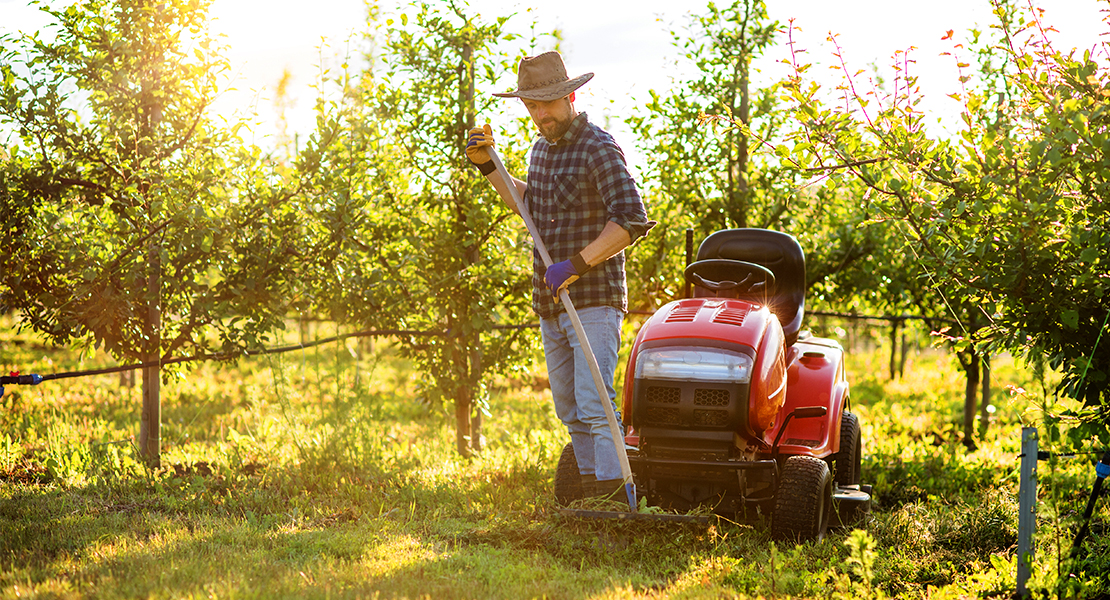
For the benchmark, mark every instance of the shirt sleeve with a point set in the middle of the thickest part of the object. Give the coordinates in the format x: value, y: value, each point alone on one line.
x: 608, y: 172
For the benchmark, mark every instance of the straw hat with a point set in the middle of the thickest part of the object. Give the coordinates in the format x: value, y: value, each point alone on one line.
x: 544, y: 78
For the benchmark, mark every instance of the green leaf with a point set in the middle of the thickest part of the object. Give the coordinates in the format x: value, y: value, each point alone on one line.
x: 1070, y: 318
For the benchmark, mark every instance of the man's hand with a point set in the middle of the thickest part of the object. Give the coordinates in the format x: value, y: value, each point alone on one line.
x: 477, y: 141
x: 562, y: 274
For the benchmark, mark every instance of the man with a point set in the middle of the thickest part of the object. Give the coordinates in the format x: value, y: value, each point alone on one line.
x: 587, y: 210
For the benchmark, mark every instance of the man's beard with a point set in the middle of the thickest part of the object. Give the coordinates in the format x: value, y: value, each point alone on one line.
x: 554, y: 130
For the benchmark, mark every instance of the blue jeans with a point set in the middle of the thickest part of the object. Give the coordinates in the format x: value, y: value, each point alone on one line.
x: 574, y: 391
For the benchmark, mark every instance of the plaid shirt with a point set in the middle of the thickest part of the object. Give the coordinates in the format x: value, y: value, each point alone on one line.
x: 575, y: 186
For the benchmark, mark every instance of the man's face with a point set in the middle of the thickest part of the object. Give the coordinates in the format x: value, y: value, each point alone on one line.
x: 552, y: 118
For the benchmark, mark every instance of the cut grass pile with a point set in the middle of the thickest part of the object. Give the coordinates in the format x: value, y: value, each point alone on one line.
x: 320, y: 475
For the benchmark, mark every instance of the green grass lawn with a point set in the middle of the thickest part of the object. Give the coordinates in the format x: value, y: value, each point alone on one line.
x: 320, y: 474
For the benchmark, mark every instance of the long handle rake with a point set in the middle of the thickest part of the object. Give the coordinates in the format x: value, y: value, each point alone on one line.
x: 610, y: 416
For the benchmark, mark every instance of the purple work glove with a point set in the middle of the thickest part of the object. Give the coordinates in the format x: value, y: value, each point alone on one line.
x: 559, y: 276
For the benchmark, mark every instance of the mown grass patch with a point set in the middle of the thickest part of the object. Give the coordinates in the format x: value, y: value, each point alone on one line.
x: 319, y: 474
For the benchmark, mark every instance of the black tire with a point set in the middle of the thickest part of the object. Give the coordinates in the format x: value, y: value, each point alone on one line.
x: 846, y: 462
x: 568, y: 481
x: 803, y: 503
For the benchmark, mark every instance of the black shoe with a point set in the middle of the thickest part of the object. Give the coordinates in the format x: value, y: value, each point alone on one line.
x: 589, y: 486
x: 609, y: 488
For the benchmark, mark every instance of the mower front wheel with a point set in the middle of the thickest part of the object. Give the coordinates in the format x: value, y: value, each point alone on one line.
x: 568, y: 481
x: 847, y: 461
x: 803, y: 503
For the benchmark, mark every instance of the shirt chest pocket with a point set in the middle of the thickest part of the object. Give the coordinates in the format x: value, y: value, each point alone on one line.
x: 570, y: 190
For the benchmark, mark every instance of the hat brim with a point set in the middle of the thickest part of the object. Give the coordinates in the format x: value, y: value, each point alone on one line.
x: 549, y: 92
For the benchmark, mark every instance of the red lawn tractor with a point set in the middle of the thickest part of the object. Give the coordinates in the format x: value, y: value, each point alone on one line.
x: 730, y: 406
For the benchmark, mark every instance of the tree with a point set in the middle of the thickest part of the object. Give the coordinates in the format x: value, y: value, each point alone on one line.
x: 1011, y: 215
x: 708, y: 143
x: 129, y: 221
x: 428, y: 246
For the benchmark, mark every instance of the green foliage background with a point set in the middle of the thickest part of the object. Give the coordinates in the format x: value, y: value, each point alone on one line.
x: 119, y: 195
x: 1006, y: 223
x: 116, y: 172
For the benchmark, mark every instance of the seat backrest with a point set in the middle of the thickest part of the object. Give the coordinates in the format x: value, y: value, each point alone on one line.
x: 779, y: 252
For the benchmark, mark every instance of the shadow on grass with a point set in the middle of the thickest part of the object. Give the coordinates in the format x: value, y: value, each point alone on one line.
x: 271, y: 537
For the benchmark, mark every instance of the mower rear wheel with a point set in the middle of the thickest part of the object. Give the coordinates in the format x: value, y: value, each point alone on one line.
x: 846, y: 462
x: 803, y: 503
x: 568, y: 481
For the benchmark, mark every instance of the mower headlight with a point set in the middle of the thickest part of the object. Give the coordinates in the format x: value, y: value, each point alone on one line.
x: 694, y: 364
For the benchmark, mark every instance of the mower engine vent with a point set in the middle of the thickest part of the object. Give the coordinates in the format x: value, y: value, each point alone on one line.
x: 663, y: 416
x: 711, y: 418
x: 664, y: 395
x: 683, y: 314
x: 711, y: 397
x: 666, y: 408
x: 731, y: 316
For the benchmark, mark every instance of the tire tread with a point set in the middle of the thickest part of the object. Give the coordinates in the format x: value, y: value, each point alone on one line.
x: 799, y: 500
x: 846, y: 464
x: 568, y: 481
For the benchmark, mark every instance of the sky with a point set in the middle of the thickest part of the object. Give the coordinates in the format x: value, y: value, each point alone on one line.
x: 626, y: 44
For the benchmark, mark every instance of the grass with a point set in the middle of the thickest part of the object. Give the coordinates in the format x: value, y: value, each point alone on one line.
x: 316, y: 475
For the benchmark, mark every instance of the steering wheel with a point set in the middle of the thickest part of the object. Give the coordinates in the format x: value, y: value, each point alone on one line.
x: 722, y: 274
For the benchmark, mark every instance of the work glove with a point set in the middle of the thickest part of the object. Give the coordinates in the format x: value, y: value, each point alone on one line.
x: 477, y: 141
x: 561, y: 274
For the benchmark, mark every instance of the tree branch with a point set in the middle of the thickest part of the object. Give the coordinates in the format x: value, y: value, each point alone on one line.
x: 847, y: 165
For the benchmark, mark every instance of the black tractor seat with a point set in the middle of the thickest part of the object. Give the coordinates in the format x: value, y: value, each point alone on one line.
x: 778, y: 252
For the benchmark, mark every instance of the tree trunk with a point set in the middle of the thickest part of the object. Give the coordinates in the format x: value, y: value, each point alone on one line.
x: 462, y: 420
x: 475, y: 257
x: 150, y: 425
x: 971, y: 368
x: 902, y: 360
x: 151, y: 421
x: 738, y: 194
x: 894, y: 326
x: 737, y: 152
x: 475, y: 378
x: 467, y: 352
x: 742, y: 146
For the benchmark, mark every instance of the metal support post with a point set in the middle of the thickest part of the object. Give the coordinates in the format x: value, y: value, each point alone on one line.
x: 1027, y: 507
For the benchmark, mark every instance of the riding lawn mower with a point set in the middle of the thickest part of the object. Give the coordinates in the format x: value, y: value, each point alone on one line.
x: 731, y: 408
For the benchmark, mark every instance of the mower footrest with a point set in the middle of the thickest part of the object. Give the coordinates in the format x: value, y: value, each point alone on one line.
x: 851, y: 506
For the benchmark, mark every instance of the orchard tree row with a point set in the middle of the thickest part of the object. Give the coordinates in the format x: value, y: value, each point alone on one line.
x: 133, y: 220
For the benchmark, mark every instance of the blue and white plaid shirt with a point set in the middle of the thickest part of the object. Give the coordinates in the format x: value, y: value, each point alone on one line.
x: 575, y: 186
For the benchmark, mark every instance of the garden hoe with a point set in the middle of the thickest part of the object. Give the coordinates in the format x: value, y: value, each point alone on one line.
x: 610, y: 415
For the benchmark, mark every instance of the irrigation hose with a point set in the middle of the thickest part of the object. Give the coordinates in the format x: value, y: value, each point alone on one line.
x: 34, y: 379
